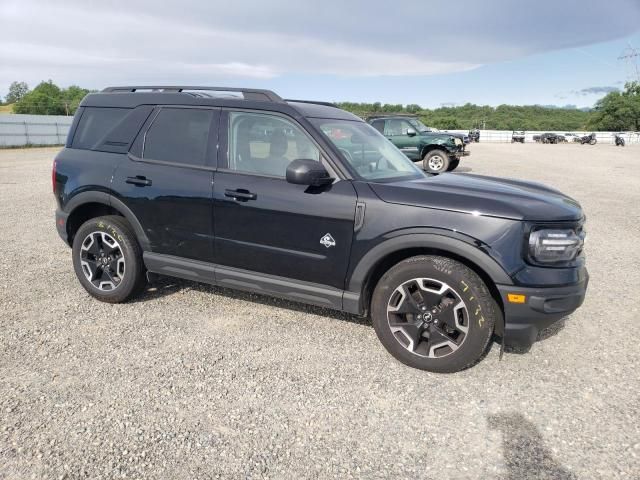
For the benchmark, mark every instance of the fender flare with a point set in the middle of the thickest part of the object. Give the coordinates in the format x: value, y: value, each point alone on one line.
x: 109, y: 200
x: 446, y: 242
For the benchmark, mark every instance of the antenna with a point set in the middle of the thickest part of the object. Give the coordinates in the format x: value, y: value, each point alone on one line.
x: 631, y: 56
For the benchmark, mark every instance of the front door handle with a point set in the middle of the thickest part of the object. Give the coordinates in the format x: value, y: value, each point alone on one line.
x: 139, y: 180
x: 240, y: 194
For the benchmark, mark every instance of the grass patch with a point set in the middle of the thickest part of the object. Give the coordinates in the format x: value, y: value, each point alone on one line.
x: 6, y: 108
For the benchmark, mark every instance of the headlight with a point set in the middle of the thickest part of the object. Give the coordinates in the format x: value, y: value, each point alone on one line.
x: 555, y: 246
x: 457, y: 141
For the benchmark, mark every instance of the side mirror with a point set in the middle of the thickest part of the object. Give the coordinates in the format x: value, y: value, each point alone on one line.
x: 308, y: 172
x: 411, y: 132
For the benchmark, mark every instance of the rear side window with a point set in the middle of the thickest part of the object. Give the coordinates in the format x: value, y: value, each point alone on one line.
x: 95, y: 123
x: 179, y: 135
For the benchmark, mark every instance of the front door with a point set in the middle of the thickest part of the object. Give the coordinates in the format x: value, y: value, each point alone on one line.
x: 265, y: 224
x: 396, y: 130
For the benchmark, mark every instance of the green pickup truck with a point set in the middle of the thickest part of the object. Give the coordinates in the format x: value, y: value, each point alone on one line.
x: 438, y: 151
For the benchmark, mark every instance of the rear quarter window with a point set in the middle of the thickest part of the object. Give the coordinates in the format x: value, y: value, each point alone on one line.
x: 95, y: 123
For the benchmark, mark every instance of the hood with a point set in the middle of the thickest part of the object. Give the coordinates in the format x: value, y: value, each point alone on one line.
x: 444, y: 135
x: 480, y: 195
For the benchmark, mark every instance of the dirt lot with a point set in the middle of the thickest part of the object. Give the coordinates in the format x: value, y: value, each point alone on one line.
x: 192, y: 381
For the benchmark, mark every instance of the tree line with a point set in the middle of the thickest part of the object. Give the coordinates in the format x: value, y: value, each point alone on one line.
x: 45, y: 99
x: 617, y: 111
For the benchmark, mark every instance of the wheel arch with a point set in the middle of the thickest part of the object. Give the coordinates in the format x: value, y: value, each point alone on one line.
x: 433, y: 146
x: 378, y: 260
x: 87, y: 205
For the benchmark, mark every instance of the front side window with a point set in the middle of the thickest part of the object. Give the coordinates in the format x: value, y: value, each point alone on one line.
x: 266, y: 144
x: 396, y: 127
x: 179, y: 135
x: 370, y: 154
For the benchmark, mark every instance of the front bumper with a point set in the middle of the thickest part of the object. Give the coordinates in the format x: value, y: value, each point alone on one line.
x: 461, y: 153
x: 542, y: 308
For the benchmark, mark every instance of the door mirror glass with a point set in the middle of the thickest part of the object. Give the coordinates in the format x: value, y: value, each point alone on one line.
x: 305, y: 171
x: 411, y: 132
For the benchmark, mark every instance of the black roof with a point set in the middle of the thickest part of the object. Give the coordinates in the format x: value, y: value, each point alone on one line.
x: 232, y: 97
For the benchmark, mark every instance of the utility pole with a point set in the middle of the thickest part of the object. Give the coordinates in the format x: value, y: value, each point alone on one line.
x: 631, y: 56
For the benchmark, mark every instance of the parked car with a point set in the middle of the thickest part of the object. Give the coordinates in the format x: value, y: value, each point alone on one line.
x: 549, y: 138
x: 571, y: 137
x: 438, y: 151
x: 517, y: 136
x: 589, y: 139
x: 158, y: 181
x: 474, y: 135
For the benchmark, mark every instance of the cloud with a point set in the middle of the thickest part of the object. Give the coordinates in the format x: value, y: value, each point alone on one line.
x: 594, y: 91
x: 204, y: 41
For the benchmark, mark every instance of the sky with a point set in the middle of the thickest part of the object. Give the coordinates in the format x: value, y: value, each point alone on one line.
x: 433, y: 53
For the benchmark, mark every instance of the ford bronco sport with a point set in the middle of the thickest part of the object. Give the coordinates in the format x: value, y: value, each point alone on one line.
x: 438, y: 151
x: 302, y: 200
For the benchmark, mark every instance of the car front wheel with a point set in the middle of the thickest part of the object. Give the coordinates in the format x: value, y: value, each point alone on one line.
x: 434, y: 313
x: 436, y: 161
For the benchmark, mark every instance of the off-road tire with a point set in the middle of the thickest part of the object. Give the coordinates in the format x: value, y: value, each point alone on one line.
x: 482, y: 311
x: 435, y: 161
x: 118, y: 230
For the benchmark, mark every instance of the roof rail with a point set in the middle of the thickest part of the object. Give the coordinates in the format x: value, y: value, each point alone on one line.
x: 313, y: 102
x: 385, y: 115
x: 248, y: 93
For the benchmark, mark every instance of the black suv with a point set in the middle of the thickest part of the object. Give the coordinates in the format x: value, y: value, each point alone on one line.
x: 302, y: 200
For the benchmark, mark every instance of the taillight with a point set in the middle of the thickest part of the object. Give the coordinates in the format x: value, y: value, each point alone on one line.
x: 53, y: 176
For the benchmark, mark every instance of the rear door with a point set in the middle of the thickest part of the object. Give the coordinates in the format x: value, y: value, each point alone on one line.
x: 265, y: 224
x: 395, y: 129
x: 166, y: 180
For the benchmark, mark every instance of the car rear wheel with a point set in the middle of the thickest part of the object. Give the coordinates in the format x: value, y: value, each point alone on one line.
x: 434, y: 313
x: 107, y: 259
x: 436, y: 161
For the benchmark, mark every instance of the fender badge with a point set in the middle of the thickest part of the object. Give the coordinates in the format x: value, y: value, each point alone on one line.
x: 327, y: 240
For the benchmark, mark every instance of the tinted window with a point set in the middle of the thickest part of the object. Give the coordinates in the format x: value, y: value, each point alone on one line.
x: 95, y: 123
x: 266, y: 144
x: 179, y: 135
x: 378, y: 125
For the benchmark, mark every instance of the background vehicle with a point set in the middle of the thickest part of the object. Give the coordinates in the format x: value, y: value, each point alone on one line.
x: 549, y: 138
x: 439, y: 151
x: 590, y: 139
x: 619, y: 140
x: 571, y: 137
x: 517, y: 136
x: 305, y: 201
x: 474, y: 135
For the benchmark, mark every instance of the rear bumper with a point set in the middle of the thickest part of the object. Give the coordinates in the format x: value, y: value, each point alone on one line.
x: 542, y: 308
x: 61, y: 225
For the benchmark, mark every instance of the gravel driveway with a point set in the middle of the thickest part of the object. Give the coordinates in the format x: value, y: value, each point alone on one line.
x: 197, y: 382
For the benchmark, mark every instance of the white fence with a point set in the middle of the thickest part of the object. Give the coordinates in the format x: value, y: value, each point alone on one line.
x: 23, y: 130
x: 504, y: 136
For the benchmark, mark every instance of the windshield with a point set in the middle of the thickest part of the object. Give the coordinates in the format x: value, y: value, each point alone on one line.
x: 369, y: 153
x: 421, y: 127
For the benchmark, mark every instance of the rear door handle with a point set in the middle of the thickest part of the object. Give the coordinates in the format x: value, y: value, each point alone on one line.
x: 240, y: 194
x: 139, y: 180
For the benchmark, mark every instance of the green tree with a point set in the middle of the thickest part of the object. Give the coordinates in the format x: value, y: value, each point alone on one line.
x: 48, y: 99
x: 618, y: 110
x: 17, y: 90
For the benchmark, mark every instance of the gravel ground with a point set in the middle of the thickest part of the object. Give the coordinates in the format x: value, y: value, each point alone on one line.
x: 197, y: 382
